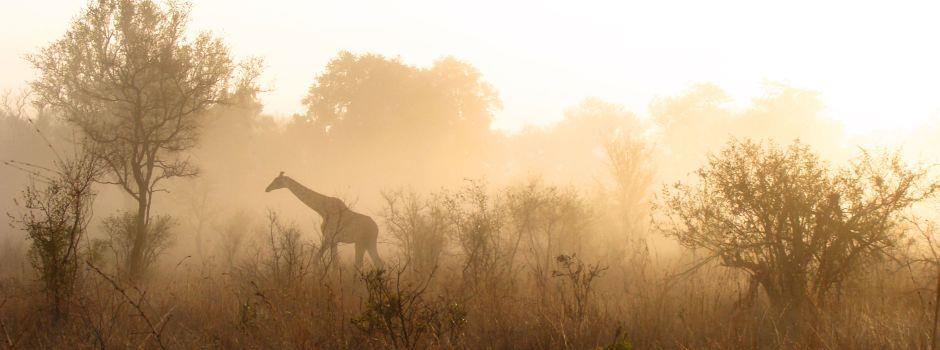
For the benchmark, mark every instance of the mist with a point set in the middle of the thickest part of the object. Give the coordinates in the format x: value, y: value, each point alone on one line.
x: 160, y: 193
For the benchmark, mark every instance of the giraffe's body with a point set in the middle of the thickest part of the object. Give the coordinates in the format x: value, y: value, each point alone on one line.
x: 340, y: 224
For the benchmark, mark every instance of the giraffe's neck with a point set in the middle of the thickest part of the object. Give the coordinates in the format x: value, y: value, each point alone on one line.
x: 316, y: 201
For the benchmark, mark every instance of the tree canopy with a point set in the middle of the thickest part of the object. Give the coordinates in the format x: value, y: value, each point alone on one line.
x: 382, y: 114
x: 794, y: 224
x: 128, y: 77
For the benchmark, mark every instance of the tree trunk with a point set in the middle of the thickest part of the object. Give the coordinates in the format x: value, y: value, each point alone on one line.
x: 136, y: 263
x: 789, y: 303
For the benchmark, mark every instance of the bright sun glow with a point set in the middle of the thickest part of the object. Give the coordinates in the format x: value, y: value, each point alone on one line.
x: 875, y: 65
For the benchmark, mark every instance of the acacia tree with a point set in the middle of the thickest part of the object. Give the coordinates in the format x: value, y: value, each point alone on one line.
x: 128, y: 77
x: 792, y: 223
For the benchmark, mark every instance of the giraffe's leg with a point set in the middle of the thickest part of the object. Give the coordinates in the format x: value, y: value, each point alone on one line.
x: 324, y: 243
x: 323, y: 248
x: 320, y: 252
x: 374, y: 255
x: 360, y: 250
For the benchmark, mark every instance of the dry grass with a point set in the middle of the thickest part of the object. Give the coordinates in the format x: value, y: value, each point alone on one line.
x: 274, y: 295
x: 197, y: 306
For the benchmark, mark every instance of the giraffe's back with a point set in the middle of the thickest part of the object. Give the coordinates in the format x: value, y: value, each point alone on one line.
x: 351, y: 227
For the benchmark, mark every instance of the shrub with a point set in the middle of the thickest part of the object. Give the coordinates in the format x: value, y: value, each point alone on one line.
x: 419, y: 227
x: 288, y: 258
x: 477, y: 222
x: 401, y: 314
x: 121, y: 232
x: 796, y: 226
x: 55, y: 220
x: 578, y: 288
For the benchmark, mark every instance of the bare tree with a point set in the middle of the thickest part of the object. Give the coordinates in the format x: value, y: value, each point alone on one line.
x: 477, y: 219
x: 136, y: 86
x: 419, y: 226
x: 632, y: 171
x: 547, y: 221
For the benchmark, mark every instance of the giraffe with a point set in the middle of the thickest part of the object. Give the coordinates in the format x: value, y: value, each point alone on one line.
x: 340, y: 224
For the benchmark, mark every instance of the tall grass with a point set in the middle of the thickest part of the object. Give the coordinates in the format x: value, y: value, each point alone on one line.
x: 525, y: 267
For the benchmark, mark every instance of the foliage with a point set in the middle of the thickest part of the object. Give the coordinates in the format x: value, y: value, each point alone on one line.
x: 476, y: 224
x: 55, y: 218
x: 797, y: 227
x: 403, y: 121
x: 573, y: 147
x: 419, y: 227
x: 358, y: 94
x: 547, y: 220
x: 126, y: 75
x: 402, y: 315
x: 121, y: 232
x: 579, y: 279
x: 289, y: 258
x: 632, y: 171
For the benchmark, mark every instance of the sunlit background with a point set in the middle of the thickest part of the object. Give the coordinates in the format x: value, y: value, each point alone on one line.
x: 529, y: 175
x: 876, y: 66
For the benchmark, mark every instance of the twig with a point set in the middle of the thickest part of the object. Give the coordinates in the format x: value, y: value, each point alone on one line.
x: 3, y: 327
x: 673, y: 278
x: 137, y: 305
x: 936, y: 316
x: 88, y: 323
x: 162, y: 323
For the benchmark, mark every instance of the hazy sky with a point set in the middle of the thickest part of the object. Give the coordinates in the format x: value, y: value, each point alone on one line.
x: 877, y: 65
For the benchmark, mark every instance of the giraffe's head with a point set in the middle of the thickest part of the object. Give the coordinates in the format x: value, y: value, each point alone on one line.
x: 279, y: 182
